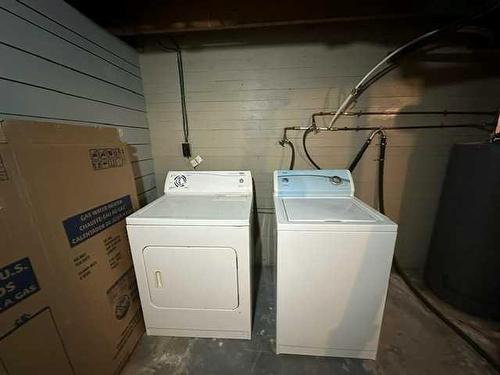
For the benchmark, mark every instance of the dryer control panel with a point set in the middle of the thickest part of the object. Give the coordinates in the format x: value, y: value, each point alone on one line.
x: 318, y: 183
x: 205, y: 182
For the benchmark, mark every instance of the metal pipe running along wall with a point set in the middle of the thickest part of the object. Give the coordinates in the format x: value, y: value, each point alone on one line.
x: 405, y: 113
x: 284, y: 140
x: 375, y: 129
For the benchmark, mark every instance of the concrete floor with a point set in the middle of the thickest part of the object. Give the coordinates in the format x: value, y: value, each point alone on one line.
x: 413, y: 341
x: 484, y: 332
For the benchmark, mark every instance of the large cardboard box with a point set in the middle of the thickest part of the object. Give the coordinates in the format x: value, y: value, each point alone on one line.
x: 68, y: 295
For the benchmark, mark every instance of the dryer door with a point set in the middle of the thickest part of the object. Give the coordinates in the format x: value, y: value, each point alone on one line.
x: 192, y: 277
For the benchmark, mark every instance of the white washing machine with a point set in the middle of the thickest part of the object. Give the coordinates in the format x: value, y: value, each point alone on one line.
x: 192, y: 256
x: 334, y: 256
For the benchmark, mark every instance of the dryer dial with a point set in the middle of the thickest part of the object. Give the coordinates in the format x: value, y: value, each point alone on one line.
x: 180, y: 180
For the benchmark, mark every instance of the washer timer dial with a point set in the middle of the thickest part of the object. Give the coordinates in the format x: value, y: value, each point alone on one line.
x: 336, y: 180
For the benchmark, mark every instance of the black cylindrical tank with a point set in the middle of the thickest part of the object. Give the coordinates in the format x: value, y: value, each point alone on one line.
x: 463, y: 265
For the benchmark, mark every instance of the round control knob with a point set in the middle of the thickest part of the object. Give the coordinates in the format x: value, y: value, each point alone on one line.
x: 242, y: 180
x: 285, y: 180
x: 336, y: 180
x: 180, y: 180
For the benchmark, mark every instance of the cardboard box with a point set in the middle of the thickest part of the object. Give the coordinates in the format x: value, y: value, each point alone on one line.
x: 68, y: 295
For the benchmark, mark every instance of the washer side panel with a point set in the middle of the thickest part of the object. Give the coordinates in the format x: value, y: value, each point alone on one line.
x: 331, y: 290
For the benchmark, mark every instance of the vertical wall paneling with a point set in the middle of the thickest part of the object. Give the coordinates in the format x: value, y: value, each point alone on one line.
x: 57, y: 65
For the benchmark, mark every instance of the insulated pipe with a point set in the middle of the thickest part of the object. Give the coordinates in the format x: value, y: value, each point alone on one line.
x: 425, y: 38
x: 358, y: 87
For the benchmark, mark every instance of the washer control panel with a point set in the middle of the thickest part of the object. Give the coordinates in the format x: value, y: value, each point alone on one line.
x: 325, y: 182
x: 217, y: 182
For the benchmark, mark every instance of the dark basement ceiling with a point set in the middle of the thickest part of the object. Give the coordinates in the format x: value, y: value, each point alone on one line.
x: 147, y: 17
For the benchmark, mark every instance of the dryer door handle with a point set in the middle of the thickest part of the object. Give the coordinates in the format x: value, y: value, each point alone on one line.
x: 158, y: 278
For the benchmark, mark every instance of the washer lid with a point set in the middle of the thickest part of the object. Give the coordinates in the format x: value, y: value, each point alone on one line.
x: 342, y: 210
x: 213, y: 209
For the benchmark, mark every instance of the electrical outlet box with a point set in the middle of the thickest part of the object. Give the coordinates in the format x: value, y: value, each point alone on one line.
x: 186, y: 150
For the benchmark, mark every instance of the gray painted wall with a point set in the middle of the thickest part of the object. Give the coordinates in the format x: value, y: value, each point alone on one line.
x: 57, y: 65
x: 243, y: 89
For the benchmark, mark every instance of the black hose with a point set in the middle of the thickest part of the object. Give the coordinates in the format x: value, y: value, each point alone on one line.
x: 292, y: 148
x: 304, y: 137
x: 383, y: 138
x: 180, y: 71
x: 406, y: 279
x: 185, y: 125
x: 381, y: 163
x: 360, y: 154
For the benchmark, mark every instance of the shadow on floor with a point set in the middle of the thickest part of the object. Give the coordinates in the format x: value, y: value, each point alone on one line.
x: 413, y: 341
